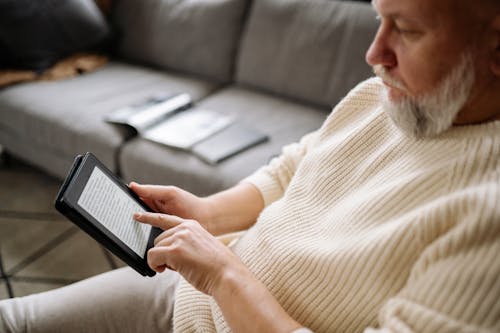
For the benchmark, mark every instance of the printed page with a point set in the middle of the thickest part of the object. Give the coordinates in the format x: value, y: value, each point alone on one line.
x: 146, y: 113
x: 149, y: 116
x: 185, y: 129
x: 114, y: 209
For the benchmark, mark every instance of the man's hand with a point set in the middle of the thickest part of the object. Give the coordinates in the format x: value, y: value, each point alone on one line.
x: 175, y: 201
x: 228, y: 211
x: 186, y: 247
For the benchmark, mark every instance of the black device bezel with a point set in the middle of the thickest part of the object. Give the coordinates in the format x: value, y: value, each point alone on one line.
x: 67, y: 204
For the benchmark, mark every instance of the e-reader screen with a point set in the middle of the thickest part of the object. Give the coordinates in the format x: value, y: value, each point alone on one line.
x: 106, y: 202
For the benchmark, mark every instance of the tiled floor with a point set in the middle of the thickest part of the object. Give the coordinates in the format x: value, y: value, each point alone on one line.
x: 39, y: 248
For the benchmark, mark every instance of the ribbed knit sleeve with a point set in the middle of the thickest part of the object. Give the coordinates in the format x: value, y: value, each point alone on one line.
x: 272, y: 180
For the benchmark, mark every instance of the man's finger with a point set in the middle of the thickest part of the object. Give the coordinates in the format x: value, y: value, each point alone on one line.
x: 158, y: 259
x: 164, y: 238
x: 162, y: 221
x: 150, y: 191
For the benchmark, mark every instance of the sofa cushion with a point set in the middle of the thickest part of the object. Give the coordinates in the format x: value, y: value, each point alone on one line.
x: 64, y: 118
x: 35, y: 34
x: 284, y: 121
x: 312, y: 50
x: 198, y: 36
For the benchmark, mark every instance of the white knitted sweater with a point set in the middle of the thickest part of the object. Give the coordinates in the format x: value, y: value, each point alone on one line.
x: 364, y: 227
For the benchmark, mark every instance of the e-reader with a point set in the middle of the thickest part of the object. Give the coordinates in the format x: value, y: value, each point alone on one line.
x: 98, y: 202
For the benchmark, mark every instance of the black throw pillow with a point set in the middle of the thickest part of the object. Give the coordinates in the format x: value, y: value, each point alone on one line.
x: 34, y: 34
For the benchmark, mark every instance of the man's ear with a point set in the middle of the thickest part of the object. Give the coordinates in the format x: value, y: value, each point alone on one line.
x: 495, y: 43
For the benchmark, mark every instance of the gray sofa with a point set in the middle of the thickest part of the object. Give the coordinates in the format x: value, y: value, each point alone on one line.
x: 278, y: 65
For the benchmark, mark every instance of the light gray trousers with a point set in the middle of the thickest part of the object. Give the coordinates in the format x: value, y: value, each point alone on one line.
x: 117, y: 301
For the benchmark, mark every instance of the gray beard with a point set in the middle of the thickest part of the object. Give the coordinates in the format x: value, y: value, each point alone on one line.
x: 433, y: 113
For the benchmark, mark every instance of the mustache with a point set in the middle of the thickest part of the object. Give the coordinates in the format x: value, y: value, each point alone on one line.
x: 383, y: 73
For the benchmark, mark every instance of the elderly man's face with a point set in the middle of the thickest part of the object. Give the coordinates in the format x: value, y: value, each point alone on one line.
x: 421, y: 53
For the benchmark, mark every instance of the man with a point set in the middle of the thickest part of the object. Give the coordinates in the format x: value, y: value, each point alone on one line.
x: 386, y: 219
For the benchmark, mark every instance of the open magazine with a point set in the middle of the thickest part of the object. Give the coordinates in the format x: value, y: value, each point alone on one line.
x: 169, y: 120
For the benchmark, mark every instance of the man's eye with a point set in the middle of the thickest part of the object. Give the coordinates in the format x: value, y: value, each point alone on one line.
x: 406, y: 31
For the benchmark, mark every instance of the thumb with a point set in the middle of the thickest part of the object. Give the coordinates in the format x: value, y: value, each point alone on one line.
x: 154, y: 192
x: 146, y: 196
x: 158, y: 197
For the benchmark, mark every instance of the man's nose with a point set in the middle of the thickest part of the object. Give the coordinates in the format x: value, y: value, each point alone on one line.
x: 380, y: 51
